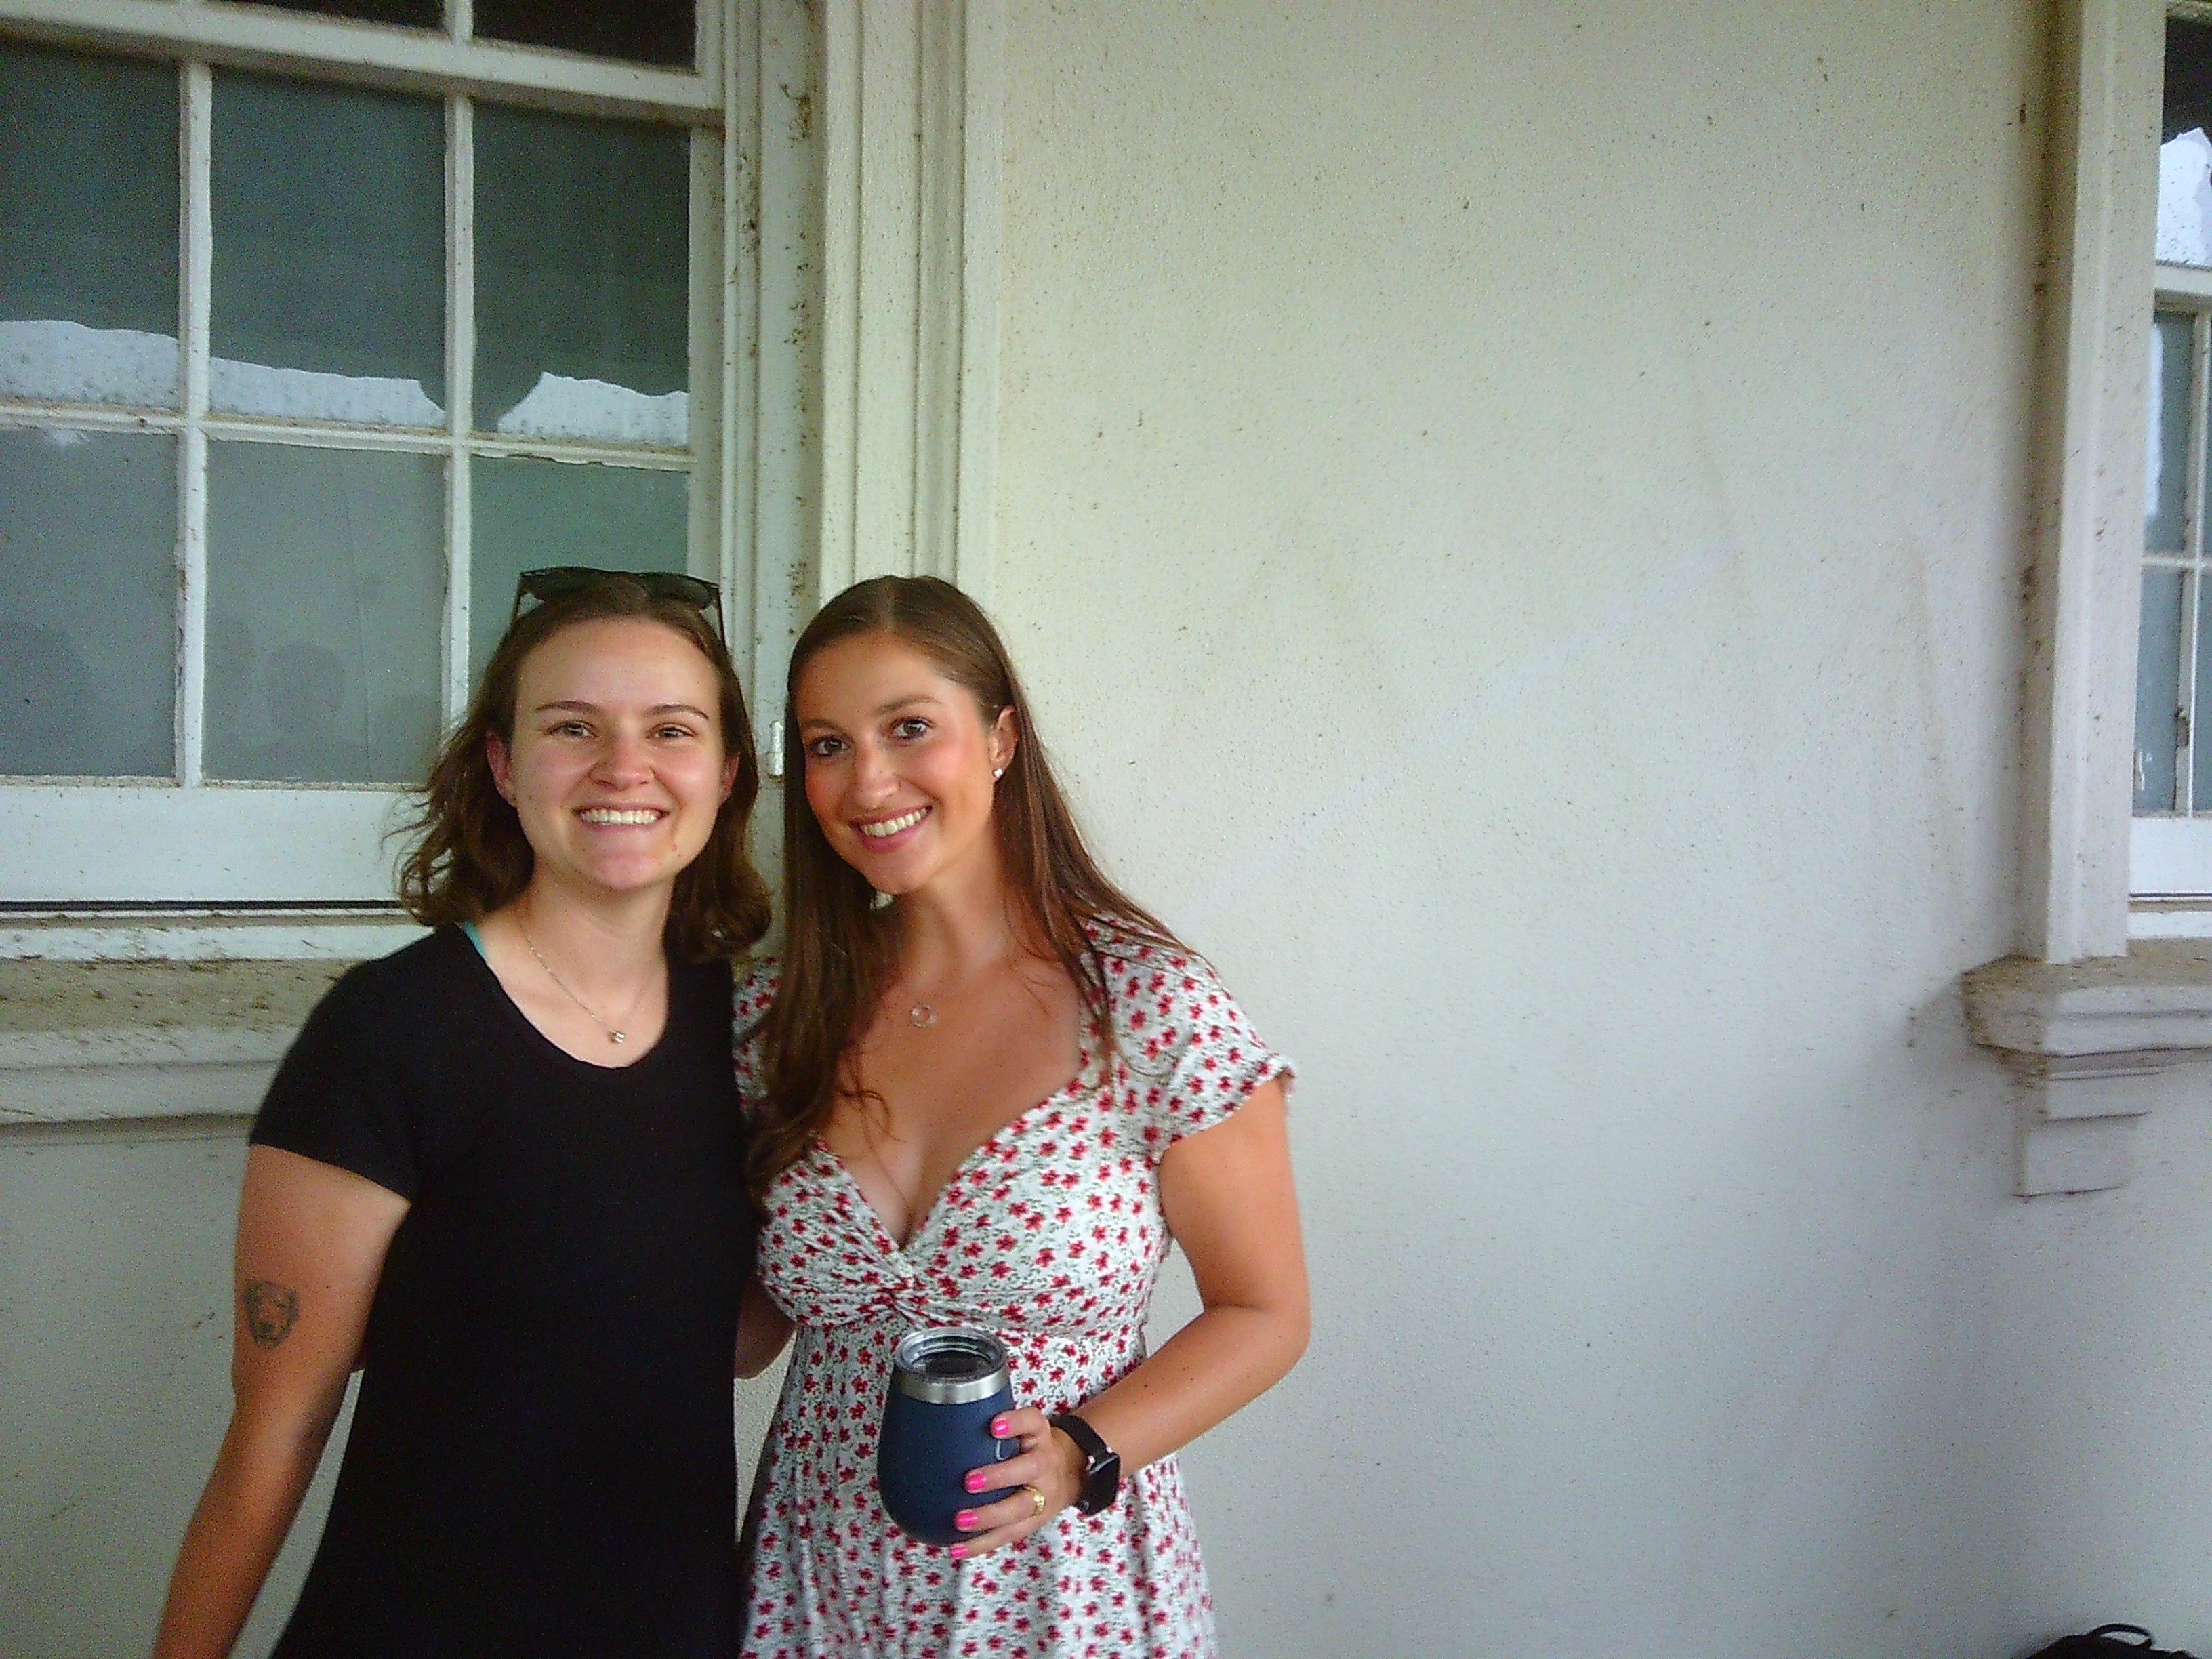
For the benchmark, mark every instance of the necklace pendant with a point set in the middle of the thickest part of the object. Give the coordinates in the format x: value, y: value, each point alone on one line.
x: 922, y: 1015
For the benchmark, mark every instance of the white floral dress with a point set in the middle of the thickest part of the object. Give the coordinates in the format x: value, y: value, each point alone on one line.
x: 1050, y: 1236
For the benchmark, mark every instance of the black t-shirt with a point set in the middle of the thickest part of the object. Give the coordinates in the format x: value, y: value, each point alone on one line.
x: 541, y: 1462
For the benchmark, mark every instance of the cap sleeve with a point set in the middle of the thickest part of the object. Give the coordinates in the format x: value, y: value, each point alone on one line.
x: 342, y: 1096
x: 755, y: 991
x: 1188, y: 1056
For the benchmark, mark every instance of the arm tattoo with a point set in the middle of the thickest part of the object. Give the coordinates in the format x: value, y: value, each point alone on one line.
x: 270, y: 1308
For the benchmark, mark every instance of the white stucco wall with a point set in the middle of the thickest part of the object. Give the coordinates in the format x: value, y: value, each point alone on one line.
x: 1515, y: 516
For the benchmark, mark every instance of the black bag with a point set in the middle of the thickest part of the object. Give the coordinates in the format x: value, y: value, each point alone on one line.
x: 2104, y: 1643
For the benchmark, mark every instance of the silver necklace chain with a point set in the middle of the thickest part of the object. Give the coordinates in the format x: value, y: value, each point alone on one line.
x: 613, y: 1035
x: 923, y: 1015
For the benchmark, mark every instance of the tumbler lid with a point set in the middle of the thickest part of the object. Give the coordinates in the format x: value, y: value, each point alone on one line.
x: 949, y: 1367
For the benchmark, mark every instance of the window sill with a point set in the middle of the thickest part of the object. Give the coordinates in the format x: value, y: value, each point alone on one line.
x: 2082, y: 1040
x: 151, y: 1046
x: 2161, y: 918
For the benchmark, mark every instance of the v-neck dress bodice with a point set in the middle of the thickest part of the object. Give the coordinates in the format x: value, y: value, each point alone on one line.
x: 1049, y: 1235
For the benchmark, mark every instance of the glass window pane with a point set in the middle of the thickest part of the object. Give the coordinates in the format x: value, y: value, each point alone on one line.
x: 325, y: 599
x: 87, y: 228
x: 2166, y: 495
x: 643, y: 31
x: 2158, y: 679
x: 2184, y: 154
x: 330, y: 253
x: 414, y: 13
x: 582, y: 279
x: 532, y: 513
x: 88, y: 604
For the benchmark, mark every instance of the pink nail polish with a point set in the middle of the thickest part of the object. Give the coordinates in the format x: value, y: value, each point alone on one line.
x: 999, y: 1427
x: 975, y: 1480
x: 965, y: 1520
x: 959, y: 1552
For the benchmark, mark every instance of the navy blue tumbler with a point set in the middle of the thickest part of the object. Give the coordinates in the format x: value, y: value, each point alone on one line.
x: 946, y: 1387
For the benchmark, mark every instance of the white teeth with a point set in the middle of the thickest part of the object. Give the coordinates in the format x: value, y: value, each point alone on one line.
x: 892, y: 826
x: 619, y: 815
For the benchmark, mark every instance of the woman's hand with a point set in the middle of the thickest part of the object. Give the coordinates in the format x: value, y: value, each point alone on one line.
x: 1048, y: 1467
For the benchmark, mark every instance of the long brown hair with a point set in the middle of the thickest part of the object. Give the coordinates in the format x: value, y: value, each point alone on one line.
x: 840, y: 951
x: 470, y: 856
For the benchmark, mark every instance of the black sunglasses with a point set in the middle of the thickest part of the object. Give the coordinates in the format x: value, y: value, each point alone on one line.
x: 556, y: 581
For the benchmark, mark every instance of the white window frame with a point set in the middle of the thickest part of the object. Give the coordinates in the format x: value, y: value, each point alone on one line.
x: 2170, y: 853
x: 2085, y: 599
x: 844, y: 400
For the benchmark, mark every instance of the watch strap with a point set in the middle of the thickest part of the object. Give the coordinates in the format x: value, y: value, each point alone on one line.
x: 1101, y: 1464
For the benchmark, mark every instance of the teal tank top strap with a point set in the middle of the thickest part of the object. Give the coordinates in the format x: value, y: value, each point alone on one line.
x: 476, y: 937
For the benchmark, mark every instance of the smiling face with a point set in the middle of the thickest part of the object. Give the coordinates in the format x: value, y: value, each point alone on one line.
x: 899, y: 762
x: 617, y: 766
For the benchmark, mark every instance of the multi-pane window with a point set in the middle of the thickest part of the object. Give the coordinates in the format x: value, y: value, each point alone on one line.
x: 296, y: 374
x: 2173, y: 663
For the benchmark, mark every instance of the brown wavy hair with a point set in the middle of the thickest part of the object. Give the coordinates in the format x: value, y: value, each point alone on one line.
x: 469, y: 856
x: 840, y: 951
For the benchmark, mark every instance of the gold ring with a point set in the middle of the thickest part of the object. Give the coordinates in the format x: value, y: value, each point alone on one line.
x: 1037, y: 1498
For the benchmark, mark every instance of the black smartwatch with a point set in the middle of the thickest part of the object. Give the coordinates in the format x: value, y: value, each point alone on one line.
x: 1101, y: 1464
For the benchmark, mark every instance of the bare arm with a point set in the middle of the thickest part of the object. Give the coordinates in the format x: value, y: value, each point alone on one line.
x: 311, y: 1244
x: 1229, y: 1199
x: 763, y: 1329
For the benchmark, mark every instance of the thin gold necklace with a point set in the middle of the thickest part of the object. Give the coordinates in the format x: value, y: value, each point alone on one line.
x: 613, y: 1035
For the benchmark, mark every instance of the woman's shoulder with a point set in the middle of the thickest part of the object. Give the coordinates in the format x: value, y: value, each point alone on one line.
x: 1134, y: 960
x: 416, y: 984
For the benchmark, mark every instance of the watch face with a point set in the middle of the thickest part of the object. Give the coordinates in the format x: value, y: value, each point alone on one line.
x: 1101, y: 1484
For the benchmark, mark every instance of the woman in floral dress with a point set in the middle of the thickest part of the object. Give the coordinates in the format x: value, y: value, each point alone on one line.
x: 990, y: 1100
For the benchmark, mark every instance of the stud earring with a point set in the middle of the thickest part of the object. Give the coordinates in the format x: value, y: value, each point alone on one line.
x: 998, y: 772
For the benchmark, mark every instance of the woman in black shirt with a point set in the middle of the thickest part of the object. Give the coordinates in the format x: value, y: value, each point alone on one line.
x: 501, y: 1172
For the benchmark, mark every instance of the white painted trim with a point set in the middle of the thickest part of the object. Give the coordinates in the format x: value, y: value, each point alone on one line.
x: 335, y: 434
x: 2082, y: 1041
x: 2170, y: 857
x: 782, y: 149
x: 460, y: 387
x: 2183, y: 281
x: 304, y: 937
x: 67, y: 842
x: 738, y: 373
x: 2153, y: 919
x: 196, y: 265
x: 911, y: 92
x: 838, y: 111
x: 705, y: 552
x: 2081, y: 658
x: 982, y: 161
x: 407, y: 60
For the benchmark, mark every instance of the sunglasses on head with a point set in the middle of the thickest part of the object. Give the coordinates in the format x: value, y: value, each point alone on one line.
x: 554, y: 582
